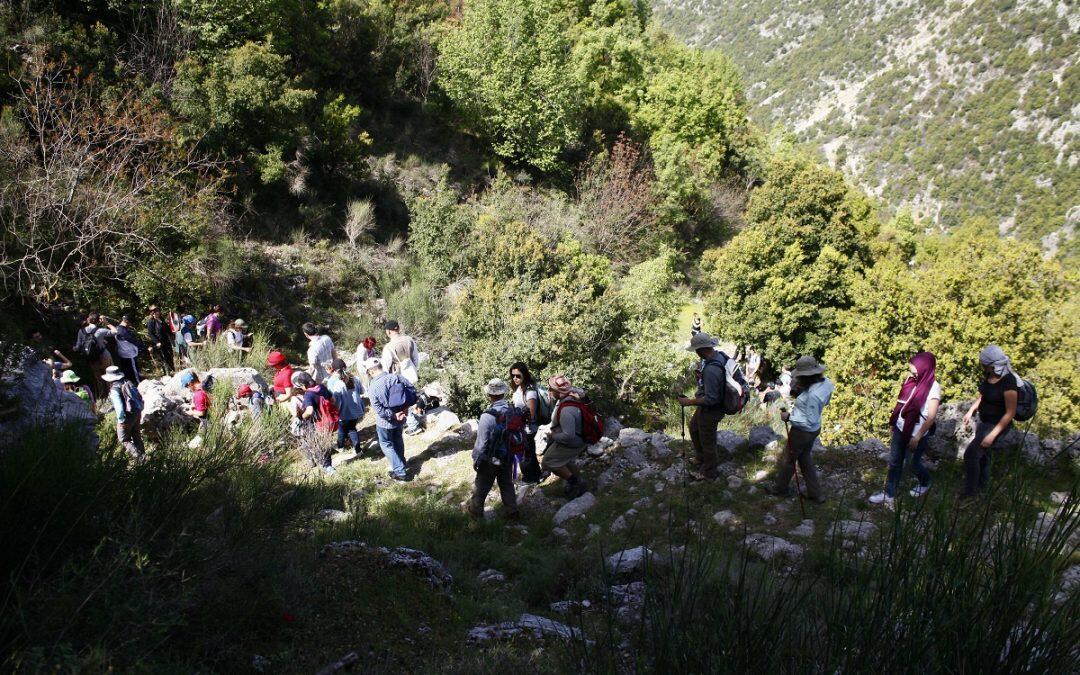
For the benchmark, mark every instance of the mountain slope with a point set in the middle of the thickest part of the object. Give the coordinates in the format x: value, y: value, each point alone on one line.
x: 956, y: 109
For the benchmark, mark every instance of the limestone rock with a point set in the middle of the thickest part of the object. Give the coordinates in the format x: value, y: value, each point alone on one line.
x: 575, y: 508
x: 624, y: 521
x: 561, y: 534
x: 643, y: 503
x: 660, y: 449
x: 760, y: 475
x: 857, y: 530
x: 612, y: 427
x: 568, y: 606
x: 599, y: 448
x: 629, y: 601
x: 490, y: 577
x: 769, y: 548
x: 726, y: 518
x: 527, y: 625
x: 676, y: 473
x: 630, y: 561
x: 440, y: 419
x: 769, y: 520
x: 734, y: 482
x: 422, y: 564
x: 730, y: 441
x: 761, y: 436
x: 871, y: 446
x: 805, y: 529
x: 333, y: 516
x: 531, y: 499
x: 39, y: 402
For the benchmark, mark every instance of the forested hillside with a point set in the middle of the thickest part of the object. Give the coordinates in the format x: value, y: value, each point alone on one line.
x: 954, y: 108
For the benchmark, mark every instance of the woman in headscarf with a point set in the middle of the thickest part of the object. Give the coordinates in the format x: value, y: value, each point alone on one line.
x: 565, y: 440
x: 911, y: 422
x: 996, y: 405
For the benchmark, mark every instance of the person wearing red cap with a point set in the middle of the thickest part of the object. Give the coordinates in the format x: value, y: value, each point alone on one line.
x: 251, y: 398
x: 283, y: 373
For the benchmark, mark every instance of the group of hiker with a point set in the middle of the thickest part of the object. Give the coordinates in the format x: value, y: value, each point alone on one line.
x: 325, y: 397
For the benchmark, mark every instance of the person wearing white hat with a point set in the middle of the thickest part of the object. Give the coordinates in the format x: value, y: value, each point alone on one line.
x: 488, y: 472
x: 812, y: 391
x: 235, y: 337
x: 390, y: 395
x: 127, y: 403
x: 708, y: 402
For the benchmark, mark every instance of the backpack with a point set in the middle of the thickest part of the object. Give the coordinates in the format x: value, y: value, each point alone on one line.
x: 1027, y: 400
x: 329, y: 415
x: 87, y: 345
x: 508, y: 438
x: 543, y: 406
x: 592, y: 427
x: 133, y: 402
x: 736, y: 389
x: 400, y: 395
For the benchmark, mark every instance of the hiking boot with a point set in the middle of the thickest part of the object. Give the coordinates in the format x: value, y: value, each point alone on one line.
x: 772, y: 490
x: 881, y: 498
x: 472, y: 511
x: 575, y: 490
x: 919, y: 490
x: 513, y: 516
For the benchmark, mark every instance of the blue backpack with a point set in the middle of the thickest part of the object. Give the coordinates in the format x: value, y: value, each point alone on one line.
x: 400, y: 395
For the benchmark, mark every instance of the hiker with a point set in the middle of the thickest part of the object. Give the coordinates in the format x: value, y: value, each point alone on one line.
x: 400, y: 354
x: 386, y: 392
x: 71, y: 382
x: 90, y: 342
x: 708, y: 400
x: 490, y: 441
x: 348, y: 395
x: 364, y: 351
x: 527, y: 397
x: 771, y: 394
x: 320, y: 350
x: 695, y: 326
x: 753, y: 365
x: 162, y: 339
x: 235, y: 338
x: 812, y: 391
x: 912, y: 420
x: 127, y: 403
x: 212, y: 323
x: 128, y: 347
x: 185, y: 339
x: 283, y: 373
x: 251, y: 397
x: 996, y: 405
x: 565, y: 439
x: 200, y: 400
x: 317, y: 412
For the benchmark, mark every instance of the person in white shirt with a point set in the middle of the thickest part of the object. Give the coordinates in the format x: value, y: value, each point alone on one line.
x: 235, y: 337
x: 912, y: 419
x: 400, y: 354
x: 320, y: 350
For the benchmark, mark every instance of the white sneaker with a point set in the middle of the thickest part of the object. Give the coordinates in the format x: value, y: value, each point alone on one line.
x: 329, y: 470
x: 881, y: 498
x: 919, y: 490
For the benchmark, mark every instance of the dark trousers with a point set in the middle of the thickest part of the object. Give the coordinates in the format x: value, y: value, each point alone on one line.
x: 798, y: 450
x: 348, y: 428
x: 896, y: 462
x: 977, y: 459
x: 703, y: 424
x: 130, y: 369
x: 530, y: 465
x: 486, y: 476
x: 165, y: 353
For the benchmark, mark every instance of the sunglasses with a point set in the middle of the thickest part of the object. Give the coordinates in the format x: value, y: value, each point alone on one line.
x: 516, y: 376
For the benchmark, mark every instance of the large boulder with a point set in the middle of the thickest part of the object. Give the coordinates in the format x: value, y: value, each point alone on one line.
x: 236, y: 376
x: 630, y: 561
x: 761, y: 436
x: 730, y: 441
x: 162, y: 407
x: 36, y: 401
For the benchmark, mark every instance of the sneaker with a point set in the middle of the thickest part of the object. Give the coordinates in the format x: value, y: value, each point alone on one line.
x: 881, y: 498
x: 329, y: 470
x: 400, y: 477
x: 919, y: 490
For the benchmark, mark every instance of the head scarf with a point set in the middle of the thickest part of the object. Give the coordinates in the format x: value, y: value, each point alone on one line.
x: 369, y: 342
x: 992, y: 355
x: 561, y: 384
x: 913, y: 394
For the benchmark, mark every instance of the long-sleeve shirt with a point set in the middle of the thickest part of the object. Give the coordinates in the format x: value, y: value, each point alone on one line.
x: 566, y: 426
x: 159, y: 332
x: 379, y: 394
x: 809, y: 404
x: 713, y: 381
x: 395, y: 353
x: 350, y: 402
x: 320, y: 351
x: 485, y: 427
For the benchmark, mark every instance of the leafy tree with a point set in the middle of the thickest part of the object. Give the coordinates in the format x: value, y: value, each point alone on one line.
x: 437, y: 229
x: 961, y: 293
x: 245, y: 102
x: 779, y: 284
x: 507, y: 70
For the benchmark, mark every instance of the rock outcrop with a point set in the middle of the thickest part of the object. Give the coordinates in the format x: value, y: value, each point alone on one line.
x: 526, y: 625
x: 38, y: 402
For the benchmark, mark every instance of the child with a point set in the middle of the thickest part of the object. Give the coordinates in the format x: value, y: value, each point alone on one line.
x: 200, y: 400
x: 252, y: 398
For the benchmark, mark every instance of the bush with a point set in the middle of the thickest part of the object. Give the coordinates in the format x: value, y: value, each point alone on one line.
x: 438, y: 234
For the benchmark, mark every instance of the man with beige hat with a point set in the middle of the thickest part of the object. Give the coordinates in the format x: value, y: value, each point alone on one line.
x: 488, y: 469
x: 709, y: 403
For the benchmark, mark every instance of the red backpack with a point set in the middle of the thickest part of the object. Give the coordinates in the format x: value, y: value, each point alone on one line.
x: 329, y: 415
x: 592, y: 427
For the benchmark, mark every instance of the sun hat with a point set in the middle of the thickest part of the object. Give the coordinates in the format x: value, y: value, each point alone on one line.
x: 113, y: 374
x: 276, y: 359
x: 239, y: 323
x: 187, y: 377
x: 372, y: 363
x: 807, y: 365
x: 496, y: 387
x: 701, y: 341
x: 561, y: 384
x: 69, y: 377
x: 392, y: 325
x: 243, y: 391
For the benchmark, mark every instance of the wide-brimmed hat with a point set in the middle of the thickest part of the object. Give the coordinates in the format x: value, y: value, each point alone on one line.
x: 113, y: 374
x: 496, y: 387
x: 276, y: 359
x: 69, y: 377
x: 807, y: 365
x: 701, y: 341
x: 373, y: 362
x: 239, y: 323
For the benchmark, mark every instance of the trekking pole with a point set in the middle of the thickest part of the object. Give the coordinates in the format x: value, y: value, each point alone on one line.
x: 795, y: 468
x: 682, y: 420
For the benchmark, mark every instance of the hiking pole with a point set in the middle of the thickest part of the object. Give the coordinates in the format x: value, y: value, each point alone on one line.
x: 682, y: 420
x: 795, y: 468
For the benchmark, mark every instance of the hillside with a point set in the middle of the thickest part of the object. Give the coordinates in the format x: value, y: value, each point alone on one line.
x: 955, y: 109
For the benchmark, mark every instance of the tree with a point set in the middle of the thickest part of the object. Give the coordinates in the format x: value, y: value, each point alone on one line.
x: 507, y: 70
x: 961, y: 293
x: 437, y: 228
x: 779, y: 284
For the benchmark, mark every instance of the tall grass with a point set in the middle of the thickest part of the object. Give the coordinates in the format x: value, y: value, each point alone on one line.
x: 216, y: 354
x: 940, y: 590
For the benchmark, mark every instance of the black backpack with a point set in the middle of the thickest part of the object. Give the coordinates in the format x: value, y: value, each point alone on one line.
x: 87, y: 345
x: 1027, y: 399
